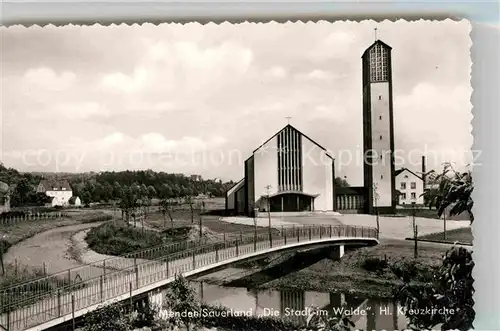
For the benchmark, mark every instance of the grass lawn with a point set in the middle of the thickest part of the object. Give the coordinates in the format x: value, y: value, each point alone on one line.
x: 212, y: 223
x: 461, y: 235
x: 420, y: 212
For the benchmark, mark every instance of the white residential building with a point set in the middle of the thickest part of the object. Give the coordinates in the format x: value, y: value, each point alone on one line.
x: 410, y: 187
x: 59, y: 191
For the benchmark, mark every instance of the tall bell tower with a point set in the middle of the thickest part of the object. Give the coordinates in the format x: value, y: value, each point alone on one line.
x: 378, y: 130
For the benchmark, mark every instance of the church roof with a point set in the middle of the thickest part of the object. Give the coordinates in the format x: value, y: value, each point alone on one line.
x: 377, y: 42
x: 303, y: 135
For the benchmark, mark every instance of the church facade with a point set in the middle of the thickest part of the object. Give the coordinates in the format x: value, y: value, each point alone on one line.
x: 291, y: 172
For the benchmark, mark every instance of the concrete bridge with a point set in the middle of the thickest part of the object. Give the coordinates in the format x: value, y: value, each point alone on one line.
x: 148, y: 277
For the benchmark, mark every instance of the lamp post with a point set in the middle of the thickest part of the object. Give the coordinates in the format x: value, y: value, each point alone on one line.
x: 268, y: 188
x: 415, y: 227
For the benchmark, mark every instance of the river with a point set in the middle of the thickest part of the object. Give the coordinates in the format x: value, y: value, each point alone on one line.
x: 371, y: 314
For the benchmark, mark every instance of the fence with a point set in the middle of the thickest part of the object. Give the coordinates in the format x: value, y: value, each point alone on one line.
x: 13, y: 220
x: 22, y: 312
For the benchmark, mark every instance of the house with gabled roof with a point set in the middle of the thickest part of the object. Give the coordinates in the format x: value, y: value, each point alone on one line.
x: 410, y: 187
x: 59, y: 190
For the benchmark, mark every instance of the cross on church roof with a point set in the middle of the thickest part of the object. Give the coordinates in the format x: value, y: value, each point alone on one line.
x: 288, y: 119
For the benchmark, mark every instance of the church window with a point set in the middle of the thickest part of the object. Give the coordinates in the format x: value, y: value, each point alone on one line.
x: 380, y: 97
x: 380, y: 117
x: 380, y: 137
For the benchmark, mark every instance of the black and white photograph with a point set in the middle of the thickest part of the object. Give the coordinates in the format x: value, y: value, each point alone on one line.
x: 299, y: 176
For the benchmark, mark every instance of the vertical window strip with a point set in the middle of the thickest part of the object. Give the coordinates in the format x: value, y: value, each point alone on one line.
x: 278, y: 150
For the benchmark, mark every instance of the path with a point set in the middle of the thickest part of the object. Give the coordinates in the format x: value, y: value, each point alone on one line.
x: 390, y: 227
x: 50, y: 247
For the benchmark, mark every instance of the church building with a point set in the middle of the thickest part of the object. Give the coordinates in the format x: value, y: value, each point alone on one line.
x: 290, y: 172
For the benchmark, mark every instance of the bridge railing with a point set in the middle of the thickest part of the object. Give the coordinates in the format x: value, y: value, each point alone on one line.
x: 66, y: 299
x: 73, y: 276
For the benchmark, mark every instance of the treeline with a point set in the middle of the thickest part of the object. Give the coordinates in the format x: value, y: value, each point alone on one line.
x: 110, y: 186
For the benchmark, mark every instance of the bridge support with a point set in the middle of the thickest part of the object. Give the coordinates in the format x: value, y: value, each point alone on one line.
x: 336, y: 252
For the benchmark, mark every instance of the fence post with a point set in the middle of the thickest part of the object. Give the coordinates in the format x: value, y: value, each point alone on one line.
x: 101, y: 287
x: 331, y: 230
x: 168, y: 271
x: 44, y: 269
x: 73, y: 310
x: 309, y: 233
x: 298, y: 235
x: 8, y: 320
x: 284, y: 234
x: 237, y: 249
x: 194, y: 260
x: 224, y: 240
x: 59, y: 302
x: 104, y: 268
x: 241, y: 236
x: 362, y: 231
x: 320, y: 231
x: 130, y: 293
x: 216, y: 254
x: 136, y: 270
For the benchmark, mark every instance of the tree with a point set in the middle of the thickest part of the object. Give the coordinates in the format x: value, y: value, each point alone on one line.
x: 151, y: 192
x: 452, y: 190
x: 448, y: 300
x: 458, y: 192
x: 128, y: 203
x: 182, y: 301
x: 166, y: 209
x: 112, y: 317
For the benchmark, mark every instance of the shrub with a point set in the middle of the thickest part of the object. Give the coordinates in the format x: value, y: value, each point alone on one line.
x: 408, y: 270
x: 374, y: 264
x: 177, y: 233
x: 113, y: 239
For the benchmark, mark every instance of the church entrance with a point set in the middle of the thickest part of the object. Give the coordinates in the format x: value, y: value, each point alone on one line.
x: 291, y: 202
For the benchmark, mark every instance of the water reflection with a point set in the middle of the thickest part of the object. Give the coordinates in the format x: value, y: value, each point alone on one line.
x: 368, y: 314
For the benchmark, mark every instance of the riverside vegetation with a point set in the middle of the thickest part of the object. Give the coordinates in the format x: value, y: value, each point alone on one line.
x: 448, y: 286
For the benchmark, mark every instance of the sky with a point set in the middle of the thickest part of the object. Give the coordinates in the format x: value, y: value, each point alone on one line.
x: 199, y: 99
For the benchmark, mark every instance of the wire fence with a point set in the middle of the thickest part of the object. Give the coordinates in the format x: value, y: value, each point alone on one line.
x: 40, y: 301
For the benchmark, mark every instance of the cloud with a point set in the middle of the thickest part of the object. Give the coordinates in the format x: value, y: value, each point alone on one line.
x: 225, y: 87
x: 46, y: 78
x: 124, y: 83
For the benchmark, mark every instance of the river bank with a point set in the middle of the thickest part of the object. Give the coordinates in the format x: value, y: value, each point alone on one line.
x: 348, y: 275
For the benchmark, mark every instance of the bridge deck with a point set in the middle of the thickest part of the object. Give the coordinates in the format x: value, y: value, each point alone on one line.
x: 55, y: 308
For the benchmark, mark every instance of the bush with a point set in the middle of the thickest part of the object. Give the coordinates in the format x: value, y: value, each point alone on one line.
x: 113, y: 239
x: 408, y: 270
x: 177, y: 233
x: 374, y: 264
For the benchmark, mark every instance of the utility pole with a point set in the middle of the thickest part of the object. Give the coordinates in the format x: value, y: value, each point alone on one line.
x: 268, y: 189
x: 415, y: 230
x: 201, y: 224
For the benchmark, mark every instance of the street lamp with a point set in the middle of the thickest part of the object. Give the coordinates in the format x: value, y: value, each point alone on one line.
x: 415, y: 227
